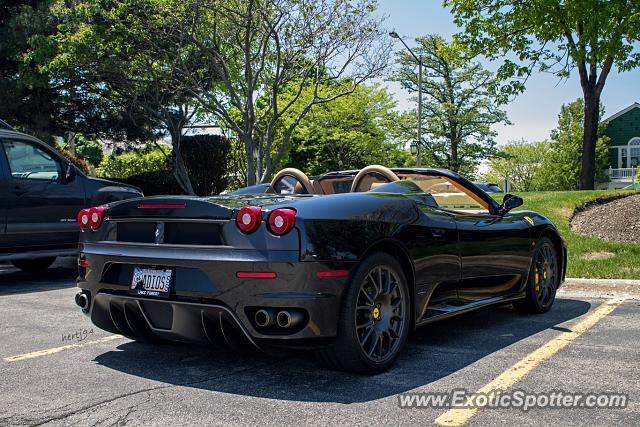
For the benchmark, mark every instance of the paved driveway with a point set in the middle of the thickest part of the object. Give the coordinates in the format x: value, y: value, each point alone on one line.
x: 58, y: 369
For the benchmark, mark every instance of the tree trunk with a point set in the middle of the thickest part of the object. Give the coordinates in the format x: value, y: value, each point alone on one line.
x: 179, y: 168
x: 251, y: 163
x: 454, y: 155
x: 590, y: 136
x: 71, y: 142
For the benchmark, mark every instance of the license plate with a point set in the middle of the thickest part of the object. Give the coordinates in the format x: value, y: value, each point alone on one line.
x: 151, y: 282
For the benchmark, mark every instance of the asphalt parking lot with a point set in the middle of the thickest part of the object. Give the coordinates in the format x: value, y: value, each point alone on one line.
x: 57, y: 369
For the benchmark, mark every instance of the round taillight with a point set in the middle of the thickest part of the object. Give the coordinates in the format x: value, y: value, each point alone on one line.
x: 249, y: 218
x: 83, y: 219
x: 281, y: 221
x: 96, y: 217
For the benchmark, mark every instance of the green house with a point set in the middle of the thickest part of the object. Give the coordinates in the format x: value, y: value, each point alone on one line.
x: 624, y: 148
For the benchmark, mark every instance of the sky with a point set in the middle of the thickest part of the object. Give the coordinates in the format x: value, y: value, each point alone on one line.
x: 534, y: 113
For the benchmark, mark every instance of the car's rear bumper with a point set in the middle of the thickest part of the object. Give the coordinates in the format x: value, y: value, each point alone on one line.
x: 208, y: 302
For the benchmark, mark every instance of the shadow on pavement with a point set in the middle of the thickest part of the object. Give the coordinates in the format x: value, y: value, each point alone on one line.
x: 433, y: 352
x: 62, y: 274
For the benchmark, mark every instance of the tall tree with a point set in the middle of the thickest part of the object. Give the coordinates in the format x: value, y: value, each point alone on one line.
x: 350, y: 133
x: 33, y: 99
x: 520, y: 162
x: 27, y: 99
x: 461, y: 103
x: 260, y: 47
x: 560, y: 169
x: 557, y: 36
x: 133, y: 54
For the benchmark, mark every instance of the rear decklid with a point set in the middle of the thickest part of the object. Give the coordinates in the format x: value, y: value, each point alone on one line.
x: 186, y: 220
x: 191, y: 207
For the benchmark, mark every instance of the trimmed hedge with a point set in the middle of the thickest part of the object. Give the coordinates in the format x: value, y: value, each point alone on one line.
x: 206, y: 158
x: 154, y: 183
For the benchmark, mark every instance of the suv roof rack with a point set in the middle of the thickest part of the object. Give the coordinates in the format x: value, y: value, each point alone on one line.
x: 5, y: 125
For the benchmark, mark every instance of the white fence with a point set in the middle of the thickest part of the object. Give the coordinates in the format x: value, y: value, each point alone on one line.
x: 622, y: 174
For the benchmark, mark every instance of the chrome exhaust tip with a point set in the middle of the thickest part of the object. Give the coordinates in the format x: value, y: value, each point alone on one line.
x: 82, y: 300
x: 264, y: 318
x: 288, y: 319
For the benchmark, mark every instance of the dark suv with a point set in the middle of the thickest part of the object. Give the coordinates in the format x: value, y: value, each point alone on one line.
x: 41, y: 193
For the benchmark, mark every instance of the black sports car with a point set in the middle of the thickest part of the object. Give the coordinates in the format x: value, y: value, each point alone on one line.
x: 347, y: 264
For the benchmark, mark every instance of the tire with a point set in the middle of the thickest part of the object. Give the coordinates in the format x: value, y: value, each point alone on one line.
x: 543, y: 280
x: 35, y: 264
x: 370, y: 317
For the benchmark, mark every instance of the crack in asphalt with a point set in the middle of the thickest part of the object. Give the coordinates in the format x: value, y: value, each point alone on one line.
x: 147, y: 390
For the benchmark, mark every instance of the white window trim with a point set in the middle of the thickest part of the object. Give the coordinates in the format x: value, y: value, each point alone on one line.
x: 635, y: 143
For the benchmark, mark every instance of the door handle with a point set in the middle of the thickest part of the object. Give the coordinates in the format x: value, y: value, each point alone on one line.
x: 438, y: 233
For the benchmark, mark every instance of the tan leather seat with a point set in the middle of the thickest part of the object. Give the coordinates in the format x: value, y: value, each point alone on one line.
x: 317, y: 188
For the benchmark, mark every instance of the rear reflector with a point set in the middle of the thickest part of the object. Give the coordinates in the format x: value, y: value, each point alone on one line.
x: 162, y: 206
x: 332, y: 273
x: 256, y: 275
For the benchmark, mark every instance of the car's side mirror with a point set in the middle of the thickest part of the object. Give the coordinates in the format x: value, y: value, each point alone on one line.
x: 69, y: 172
x: 510, y: 201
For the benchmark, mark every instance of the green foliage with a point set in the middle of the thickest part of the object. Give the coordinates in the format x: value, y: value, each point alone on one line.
x: 556, y: 36
x: 28, y: 99
x: 561, y: 167
x: 80, y: 163
x: 86, y: 148
x: 207, y: 161
x: 350, y: 133
x: 558, y: 206
x: 520, y: 161
x: 89, y: 149
x: 261, y: 49
x: 461, y: 103
x: 127, y: 53
x: 154, y: 183
x: 132, y: 163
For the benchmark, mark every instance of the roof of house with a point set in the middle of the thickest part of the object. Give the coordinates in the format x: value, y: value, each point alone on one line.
x: 622, y: 112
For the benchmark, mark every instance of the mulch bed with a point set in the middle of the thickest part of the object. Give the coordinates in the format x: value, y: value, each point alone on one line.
x: 616, y: 220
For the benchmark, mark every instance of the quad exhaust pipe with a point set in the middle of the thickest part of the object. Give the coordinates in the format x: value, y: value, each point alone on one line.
x: 82, y: 300
x: 266, y: 317
x: 289, y: 319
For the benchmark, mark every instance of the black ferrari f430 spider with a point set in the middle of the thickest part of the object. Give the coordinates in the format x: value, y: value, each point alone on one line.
x: 346, y: 264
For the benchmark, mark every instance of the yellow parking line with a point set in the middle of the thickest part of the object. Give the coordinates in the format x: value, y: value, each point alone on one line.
x: 460, y: 416
x: 54, y: 350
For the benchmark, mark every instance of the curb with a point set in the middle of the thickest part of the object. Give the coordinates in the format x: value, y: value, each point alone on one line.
x: 602, y: 282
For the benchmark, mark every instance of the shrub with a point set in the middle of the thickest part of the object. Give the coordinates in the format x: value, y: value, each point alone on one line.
x: 154, y: 183
x: 206, y: 158
x: 80, y: 163
x: 132, y: 163
x: 88, y: 149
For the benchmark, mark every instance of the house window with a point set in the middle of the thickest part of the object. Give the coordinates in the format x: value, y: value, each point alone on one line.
x: 634, y: 152
x: 623, y: 157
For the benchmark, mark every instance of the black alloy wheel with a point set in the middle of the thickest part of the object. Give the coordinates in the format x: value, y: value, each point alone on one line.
x: 379, y: 314
x: 374, y: 317
x: 544, y: 278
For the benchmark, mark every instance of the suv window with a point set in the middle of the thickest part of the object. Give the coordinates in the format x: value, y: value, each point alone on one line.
x: 28, y: 161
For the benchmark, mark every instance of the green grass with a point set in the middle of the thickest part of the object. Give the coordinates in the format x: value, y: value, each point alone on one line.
x: 558, y: 206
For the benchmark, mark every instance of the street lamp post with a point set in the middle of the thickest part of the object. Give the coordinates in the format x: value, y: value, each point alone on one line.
x: 418, y: 59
